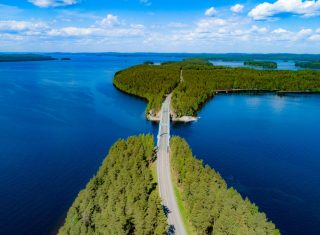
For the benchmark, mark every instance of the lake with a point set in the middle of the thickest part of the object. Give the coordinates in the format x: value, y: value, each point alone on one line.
x: 282, y: 65
x: 59, y: 118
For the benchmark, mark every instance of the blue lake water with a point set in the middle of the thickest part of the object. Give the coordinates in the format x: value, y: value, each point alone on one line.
x: 59, y: 118
x: 282, y: 65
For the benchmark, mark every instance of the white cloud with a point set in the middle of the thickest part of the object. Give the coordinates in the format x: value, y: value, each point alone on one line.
x: 53, y: 3
x: 305, y: 8
x: 110, y: 20
x: 209, y: 23
x: 280, y: 31
x: 256, y: 29
x: 237, y: 8
x: 315, y: 37
x: 304, y: 33
x: 73, y: 31
x: 210, y: 12
x: 17, y: 26
x: 177, y: 25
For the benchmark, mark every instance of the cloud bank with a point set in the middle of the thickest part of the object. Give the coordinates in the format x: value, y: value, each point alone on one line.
x: 305, y: 8
x: 52, y: 3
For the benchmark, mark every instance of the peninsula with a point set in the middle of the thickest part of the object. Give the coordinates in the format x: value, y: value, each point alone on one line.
x: 201, y: 81
x: 123, y: 197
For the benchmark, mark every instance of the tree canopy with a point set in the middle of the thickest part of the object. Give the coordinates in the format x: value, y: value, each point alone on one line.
x: 201, y: 80
x: 122, y: 198
x: 211, y: 206
x: 151, y: 82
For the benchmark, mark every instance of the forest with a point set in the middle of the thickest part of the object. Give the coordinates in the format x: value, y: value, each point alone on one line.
x: 211, y: 207
x: 148, y: 81
x: 262, y: 64
x: 122, y: 198
x: 202, y: 80
x: 308, y: 65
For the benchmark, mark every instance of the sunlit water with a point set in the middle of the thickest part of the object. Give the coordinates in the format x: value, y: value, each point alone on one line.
x: 59, y: 118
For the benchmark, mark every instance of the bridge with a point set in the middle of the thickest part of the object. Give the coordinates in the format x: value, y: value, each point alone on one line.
x: 167, y: 194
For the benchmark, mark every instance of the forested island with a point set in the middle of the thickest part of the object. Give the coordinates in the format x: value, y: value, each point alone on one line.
x: 210, y: 206
x: 122, y: 198
x: 202, y: 80
x: 24, y: 57
x: 261, y: 64
x: 308, y: 65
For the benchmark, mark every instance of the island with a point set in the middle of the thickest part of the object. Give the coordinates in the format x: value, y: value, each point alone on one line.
x: 193, y: 82
x: 24, y: 57
x: 261, y: 64
x: 123, y: 197
x: 308, y: 65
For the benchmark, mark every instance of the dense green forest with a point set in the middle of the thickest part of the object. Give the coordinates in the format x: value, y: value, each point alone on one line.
x: 201, y: 81
x: 149, y: 81
x: 212, y: 207
x: 308, y: 65
x: 23, y: 57
x: 122, y: 198
x: 262, y: 64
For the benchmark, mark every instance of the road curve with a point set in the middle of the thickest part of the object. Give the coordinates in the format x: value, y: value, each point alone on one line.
x: 167, y: 195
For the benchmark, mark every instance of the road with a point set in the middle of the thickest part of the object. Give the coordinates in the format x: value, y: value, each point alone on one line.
x: 167, y: 195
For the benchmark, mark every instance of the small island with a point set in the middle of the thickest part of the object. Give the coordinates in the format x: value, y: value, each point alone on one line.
x: 24, y: 57
x: 308, y: 65
x: 261, y: 64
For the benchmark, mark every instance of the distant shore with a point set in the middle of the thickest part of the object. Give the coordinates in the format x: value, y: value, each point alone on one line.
x: 24, y: 57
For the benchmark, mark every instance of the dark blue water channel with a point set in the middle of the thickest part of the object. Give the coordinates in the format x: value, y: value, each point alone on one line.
x: 59, y: 118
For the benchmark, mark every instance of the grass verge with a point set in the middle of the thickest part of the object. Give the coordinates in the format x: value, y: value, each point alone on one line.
x: 183, y: 212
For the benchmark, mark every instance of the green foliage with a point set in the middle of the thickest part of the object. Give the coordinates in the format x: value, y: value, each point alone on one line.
x: 23, y: 57
x: 201, y: 83
x: 122, y: 198
x: 201, y: 80
x: 308, y: 65
x: 151, y: 82
x: 262, y: 64
x: 212, y: 207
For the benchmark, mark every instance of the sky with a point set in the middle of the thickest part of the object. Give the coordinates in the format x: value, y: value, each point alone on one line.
x: 202, y: 26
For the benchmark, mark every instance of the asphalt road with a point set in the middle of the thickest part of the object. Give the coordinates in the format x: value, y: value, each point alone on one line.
x: 167, y: 195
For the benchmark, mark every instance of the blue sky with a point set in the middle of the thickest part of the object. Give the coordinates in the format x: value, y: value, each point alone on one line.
x: 208, y: 26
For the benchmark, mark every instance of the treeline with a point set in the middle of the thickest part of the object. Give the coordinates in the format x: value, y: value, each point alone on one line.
x: 262, y: 64
x: 23, y: 57
x: 211, y: 207
x: 308, y: 65
x: 122, y: 198
x: 202, y: 81
x: 151, y: 82
x: 274, y: 56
